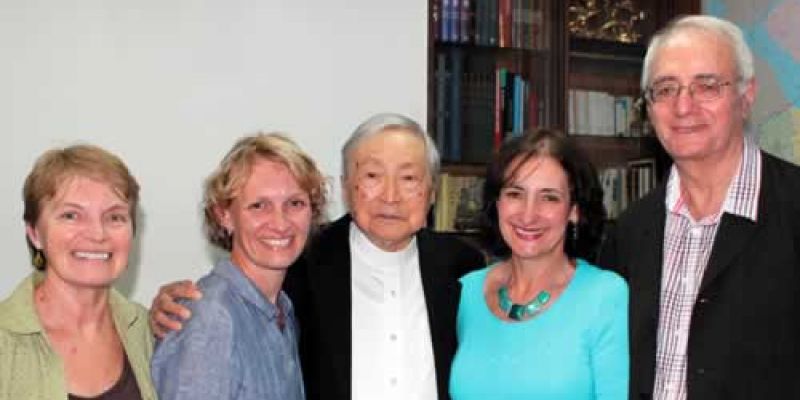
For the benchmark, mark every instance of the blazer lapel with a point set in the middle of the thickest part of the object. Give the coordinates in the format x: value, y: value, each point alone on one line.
x: 441, y: 289
x: 652, y: 259
x: 733, y: 234
x: 333, y: 300
x: 644, y: 279
x: 647, y: 254
x: 442, y: 292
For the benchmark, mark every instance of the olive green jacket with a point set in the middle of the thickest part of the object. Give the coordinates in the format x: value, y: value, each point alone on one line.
x: 30, y: 369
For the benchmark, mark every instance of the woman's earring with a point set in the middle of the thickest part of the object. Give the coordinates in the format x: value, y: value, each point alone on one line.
x: 38, y: 259
x: 575, y: 233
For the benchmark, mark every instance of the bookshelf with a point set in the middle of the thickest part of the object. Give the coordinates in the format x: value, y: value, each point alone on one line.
x: 604, y: 117
x: 500, y: 67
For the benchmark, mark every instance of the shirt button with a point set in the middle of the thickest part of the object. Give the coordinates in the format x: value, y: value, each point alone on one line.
x: 393, y: 293
x: 701, y: 371
x: 703, y: 300
x: 696, y: 232
x: 393, y: 381
x: 393, y: 337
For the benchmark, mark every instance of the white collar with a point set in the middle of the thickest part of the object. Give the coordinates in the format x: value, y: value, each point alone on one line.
x: 377, y: 257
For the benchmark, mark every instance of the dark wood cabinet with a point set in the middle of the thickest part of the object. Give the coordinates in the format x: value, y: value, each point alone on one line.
x: 498, y: 68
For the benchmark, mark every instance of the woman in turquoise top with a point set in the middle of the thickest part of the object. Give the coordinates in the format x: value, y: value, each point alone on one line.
x: 542, y: 323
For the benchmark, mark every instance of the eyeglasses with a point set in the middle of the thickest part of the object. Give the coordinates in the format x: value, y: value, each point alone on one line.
x: 703, y: 89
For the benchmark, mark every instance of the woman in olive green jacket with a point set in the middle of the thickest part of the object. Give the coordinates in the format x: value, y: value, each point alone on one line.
x: 64, y: 332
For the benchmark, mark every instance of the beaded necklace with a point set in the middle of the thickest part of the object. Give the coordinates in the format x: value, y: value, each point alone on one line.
x: 518, y: 312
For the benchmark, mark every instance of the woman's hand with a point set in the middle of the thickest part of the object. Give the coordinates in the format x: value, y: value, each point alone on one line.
x: 166, y: 313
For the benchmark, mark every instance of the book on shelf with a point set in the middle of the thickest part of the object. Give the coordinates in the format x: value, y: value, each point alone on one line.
x: 478, y: 100
x: 478, y: 103
x: 442, y: 76
x: 452, y: 145
x: 483, y: 96
x: 504, y: 18
x: 458, y: 203
x: 479, y: 21
x: 598, y: 113
x: 465, y: 20
x: 497, y: 107
x: 491, y: 25
x: 442, y: 24
x: 517, y: 24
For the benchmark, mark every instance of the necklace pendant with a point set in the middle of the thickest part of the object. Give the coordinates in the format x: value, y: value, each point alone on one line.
x: 518, y: 312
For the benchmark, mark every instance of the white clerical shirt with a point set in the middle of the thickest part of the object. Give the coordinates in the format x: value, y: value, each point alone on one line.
x: 392, y: 350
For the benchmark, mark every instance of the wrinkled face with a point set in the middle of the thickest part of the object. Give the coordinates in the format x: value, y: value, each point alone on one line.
x: 534, y: 209
x: 270, y: 218
x: 388, y: 187
x: 85, y: 231
x: 690, y: 129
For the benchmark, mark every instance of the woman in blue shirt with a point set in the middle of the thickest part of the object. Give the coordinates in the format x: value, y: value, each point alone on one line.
x: 542, y: 323
x: 241, y: 343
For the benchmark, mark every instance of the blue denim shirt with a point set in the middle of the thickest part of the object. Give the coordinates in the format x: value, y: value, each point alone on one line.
x: 232, y: 347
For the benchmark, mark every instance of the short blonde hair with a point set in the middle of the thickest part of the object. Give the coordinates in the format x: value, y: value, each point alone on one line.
x: 227, y: 180
x: 55, y: 167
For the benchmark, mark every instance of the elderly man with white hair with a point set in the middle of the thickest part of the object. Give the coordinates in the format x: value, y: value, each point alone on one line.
x: 712, y: 256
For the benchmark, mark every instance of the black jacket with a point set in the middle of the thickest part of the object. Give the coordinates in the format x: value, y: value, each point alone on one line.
x: 319, y: 286
x: 744, y: 339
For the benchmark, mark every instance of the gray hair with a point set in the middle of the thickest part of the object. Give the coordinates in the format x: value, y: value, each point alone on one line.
x: 381, y: 122
x: 721, y: 28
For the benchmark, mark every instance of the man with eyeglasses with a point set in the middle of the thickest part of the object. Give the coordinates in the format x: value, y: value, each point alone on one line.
x: 712, y: 256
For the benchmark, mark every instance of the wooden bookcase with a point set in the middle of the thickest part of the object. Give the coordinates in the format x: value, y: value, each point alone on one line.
x: 502, y: 67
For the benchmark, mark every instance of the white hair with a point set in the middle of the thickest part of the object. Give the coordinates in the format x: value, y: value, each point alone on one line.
x: 381, y: 122
x: 721, y: 28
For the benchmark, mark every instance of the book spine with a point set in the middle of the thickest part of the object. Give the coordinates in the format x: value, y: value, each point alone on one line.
x: 442, y: 79
x: 465, y: 18
x: 533, y: 107
x: 493, y: 22
x: 504, y: 23
x: 497, y: 133
x: 455, y: 126
x: 455, y: 21
x: 516, y: 116
x: 445, y: 12
x: 478, y: 19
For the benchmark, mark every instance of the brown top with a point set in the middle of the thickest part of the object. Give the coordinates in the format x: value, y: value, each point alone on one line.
x: 125, y: 388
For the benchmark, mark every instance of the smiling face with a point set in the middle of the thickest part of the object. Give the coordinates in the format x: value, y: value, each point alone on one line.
x: 85, y: 231
x: 389, y: 187
x: 534, y: 208
x: 270, y: 218
x: 699, y: 130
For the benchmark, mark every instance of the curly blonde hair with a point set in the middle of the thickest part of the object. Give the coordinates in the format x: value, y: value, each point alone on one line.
x: 230, y: 176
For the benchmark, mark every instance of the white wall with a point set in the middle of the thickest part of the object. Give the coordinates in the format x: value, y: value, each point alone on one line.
x: 169, y: 85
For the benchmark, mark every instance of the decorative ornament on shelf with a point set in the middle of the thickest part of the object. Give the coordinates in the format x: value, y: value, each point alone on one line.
x: 640, y: 123
x: 614, y: 20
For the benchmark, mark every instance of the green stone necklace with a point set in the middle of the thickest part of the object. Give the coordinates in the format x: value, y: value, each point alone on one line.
x: 518, y: 312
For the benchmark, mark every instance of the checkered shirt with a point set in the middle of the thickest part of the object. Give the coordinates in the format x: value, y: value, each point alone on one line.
x: 687, y: 248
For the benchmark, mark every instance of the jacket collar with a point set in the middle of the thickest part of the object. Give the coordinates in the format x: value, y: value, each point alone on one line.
x: 248, y: 290
x: 18, y: 313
